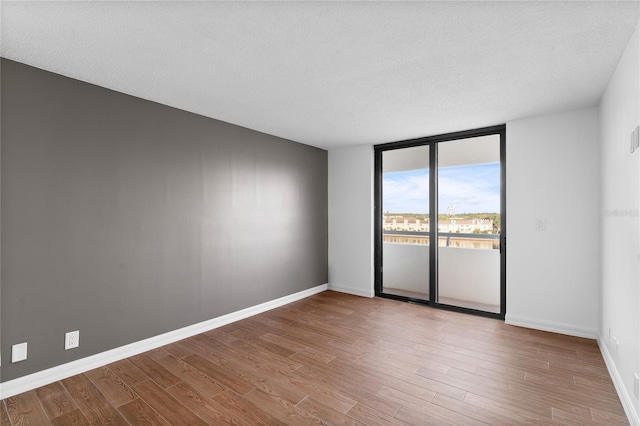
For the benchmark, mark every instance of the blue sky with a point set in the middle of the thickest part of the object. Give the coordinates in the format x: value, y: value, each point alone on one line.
x: 470, y: 189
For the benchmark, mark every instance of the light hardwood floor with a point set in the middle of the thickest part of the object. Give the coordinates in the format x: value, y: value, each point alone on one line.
x: 340, y: 359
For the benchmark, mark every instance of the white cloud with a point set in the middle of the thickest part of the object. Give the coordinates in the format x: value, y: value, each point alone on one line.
x: 469, y: 189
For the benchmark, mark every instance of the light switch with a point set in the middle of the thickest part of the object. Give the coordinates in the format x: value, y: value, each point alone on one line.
x: 19, y: 352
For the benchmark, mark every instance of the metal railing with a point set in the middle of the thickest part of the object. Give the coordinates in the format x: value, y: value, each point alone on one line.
x: 445, y: 239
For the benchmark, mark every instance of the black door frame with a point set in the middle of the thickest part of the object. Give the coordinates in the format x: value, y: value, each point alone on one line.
x: 432, y: 142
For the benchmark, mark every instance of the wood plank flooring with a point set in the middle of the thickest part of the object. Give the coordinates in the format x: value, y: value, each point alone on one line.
x: 339, y: 359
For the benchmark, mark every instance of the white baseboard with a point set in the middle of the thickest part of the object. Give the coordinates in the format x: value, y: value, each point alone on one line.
x: 352, y: 290
x: 554, y: 327
x: 625, y: 398
x: 50, y: 375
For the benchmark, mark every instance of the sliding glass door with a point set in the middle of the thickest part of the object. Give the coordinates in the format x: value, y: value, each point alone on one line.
x: 440, y: 222
x: 405, y: 222
x: 469, y: 223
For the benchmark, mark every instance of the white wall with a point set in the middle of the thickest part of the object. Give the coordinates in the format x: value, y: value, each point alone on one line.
x: 464, y: 273
x: 406, y: 266
x: 469, y: 274
x: 351, y: 220
x: 552, y: 174
x: 620, y: 275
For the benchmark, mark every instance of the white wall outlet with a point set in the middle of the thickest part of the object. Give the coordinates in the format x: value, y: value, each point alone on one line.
x: 19, y: 352
x: 541, y: 224
x: 636, y: 385
x: 616, y: 347
x: 71, y: 340
x: 609, y: 336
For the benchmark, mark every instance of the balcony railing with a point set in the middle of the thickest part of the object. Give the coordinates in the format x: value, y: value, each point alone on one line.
x: 445, y: 239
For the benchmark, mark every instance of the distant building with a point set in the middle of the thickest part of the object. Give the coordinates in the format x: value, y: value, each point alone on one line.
x: 412, y: 224
x: 401, y: 223
x: 466, y: 226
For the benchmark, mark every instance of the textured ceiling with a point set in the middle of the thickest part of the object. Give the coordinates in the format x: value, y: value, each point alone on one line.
x: 331, y: 74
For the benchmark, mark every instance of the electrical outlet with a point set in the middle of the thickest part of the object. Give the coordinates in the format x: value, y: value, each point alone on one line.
x: 19, y: 352
x: 541, y: 224
x: 616, y: 347
x: 609, y: 337
x: 71, y: 340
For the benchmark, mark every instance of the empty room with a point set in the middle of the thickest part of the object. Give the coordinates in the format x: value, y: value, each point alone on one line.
x: 354, y: 213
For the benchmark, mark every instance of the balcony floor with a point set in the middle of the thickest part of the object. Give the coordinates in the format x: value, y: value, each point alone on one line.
x: 445, y: 300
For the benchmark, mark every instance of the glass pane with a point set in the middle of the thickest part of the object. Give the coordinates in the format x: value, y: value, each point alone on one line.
x: 405, y: 228
x: 469, y: 223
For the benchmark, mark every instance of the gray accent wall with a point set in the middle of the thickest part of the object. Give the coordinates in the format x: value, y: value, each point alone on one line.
x: 124, y: 219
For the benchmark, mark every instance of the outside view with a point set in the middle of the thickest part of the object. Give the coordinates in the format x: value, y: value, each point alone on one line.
x: 468, y: 206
